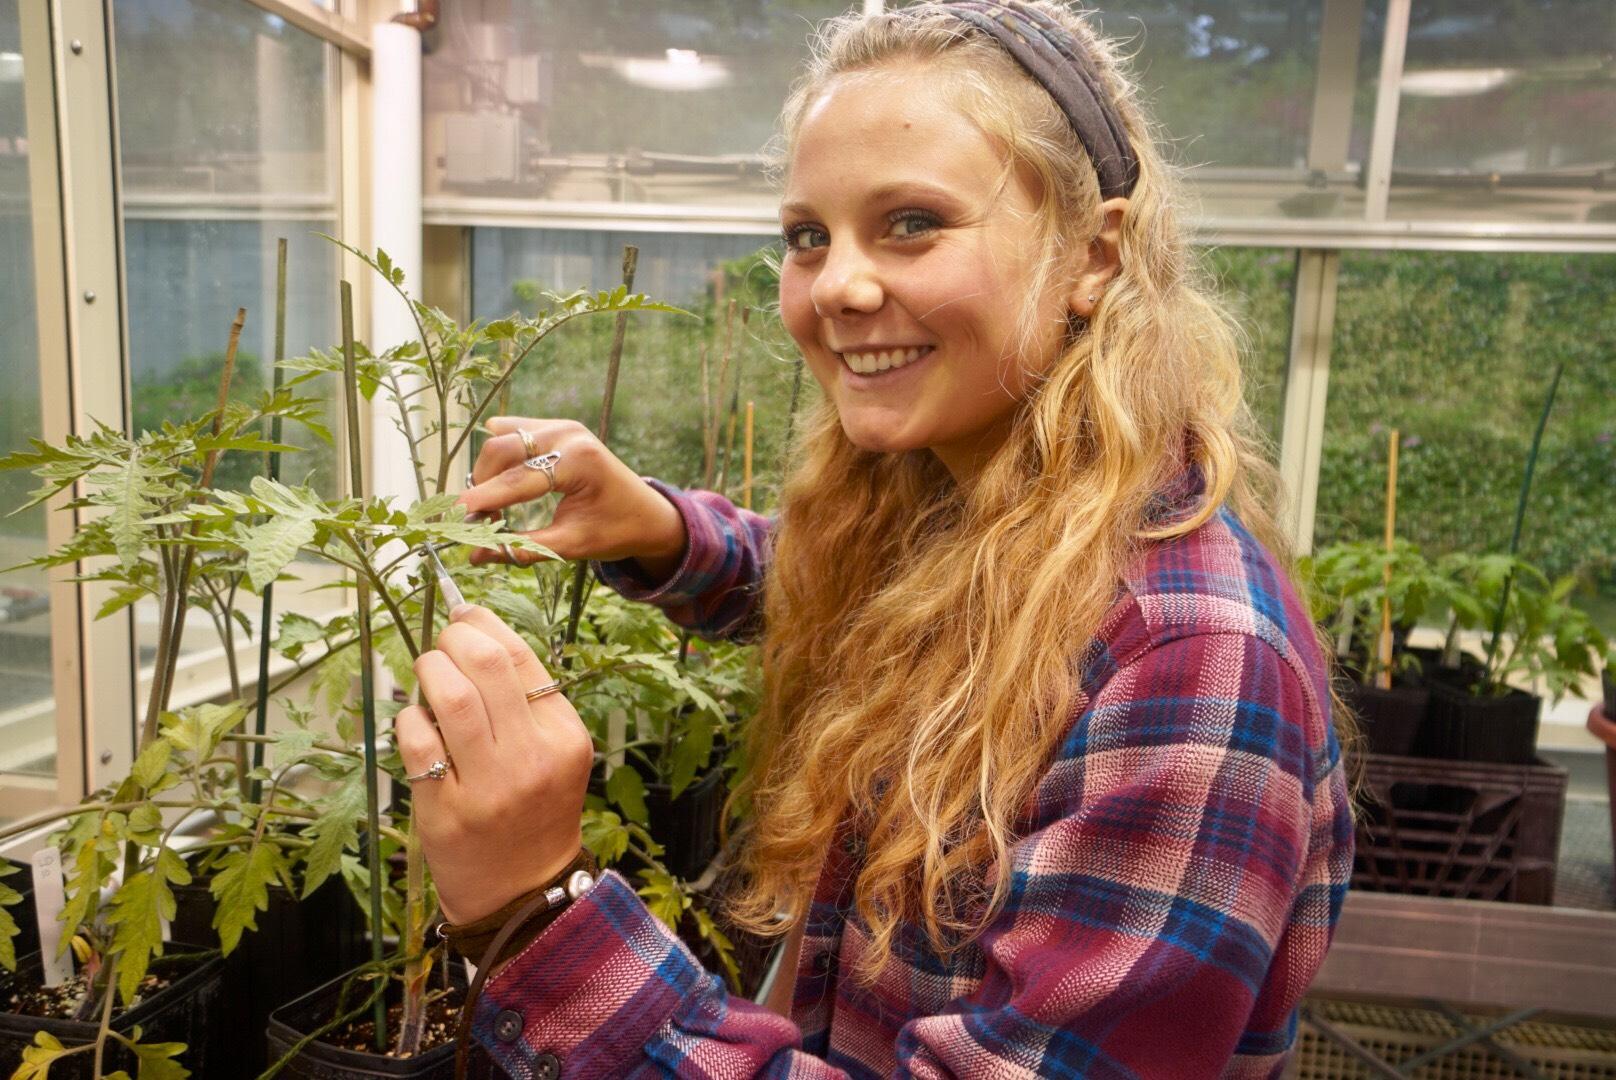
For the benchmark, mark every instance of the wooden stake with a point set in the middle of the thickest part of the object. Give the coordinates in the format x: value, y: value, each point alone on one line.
x: 1383, y: 678
x: 746, y: 482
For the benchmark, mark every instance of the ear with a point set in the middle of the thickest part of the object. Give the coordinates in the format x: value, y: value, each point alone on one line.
x: 1101, y: 263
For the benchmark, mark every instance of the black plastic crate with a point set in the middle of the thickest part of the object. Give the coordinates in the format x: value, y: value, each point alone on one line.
x: 1463, y: 829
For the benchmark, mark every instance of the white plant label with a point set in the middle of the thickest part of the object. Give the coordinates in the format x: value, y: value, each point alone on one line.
x: 49, y: 899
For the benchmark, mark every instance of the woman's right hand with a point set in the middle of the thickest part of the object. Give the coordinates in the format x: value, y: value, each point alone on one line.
x: 606, y: 511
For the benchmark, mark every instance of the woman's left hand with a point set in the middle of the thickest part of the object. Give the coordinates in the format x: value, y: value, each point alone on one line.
x: 505, y: 819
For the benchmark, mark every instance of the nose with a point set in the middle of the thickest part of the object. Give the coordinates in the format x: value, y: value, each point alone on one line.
x: 847, y: 283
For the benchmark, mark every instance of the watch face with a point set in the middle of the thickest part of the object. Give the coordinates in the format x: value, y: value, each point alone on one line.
x: 579, y: 883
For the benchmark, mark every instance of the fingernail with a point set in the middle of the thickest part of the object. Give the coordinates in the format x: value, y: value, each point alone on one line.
x: 458, y: 610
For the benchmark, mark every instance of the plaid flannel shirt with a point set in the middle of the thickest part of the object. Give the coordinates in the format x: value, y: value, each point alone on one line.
x: 1182, y: 867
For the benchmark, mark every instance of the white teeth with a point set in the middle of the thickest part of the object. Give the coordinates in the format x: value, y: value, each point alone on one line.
x: 869, y: 363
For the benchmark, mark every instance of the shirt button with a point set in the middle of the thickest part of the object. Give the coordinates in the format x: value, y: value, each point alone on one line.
x: 822, y: 963
x: 546, y: 1067
x: 853, y: 846
x: 508, y: 1026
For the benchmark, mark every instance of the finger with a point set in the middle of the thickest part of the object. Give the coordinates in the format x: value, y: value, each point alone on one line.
x: 491, y: 669
x: 530, y: 670
x: 419, y: 743
x: 458, y: 706
x: 519, y: 483
x: 556, y: 536
x: 506, y: 448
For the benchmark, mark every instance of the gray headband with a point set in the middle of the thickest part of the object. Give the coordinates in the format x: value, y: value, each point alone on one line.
x: 1053, y: 57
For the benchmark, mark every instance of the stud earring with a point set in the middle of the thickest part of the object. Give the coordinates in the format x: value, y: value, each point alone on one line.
x: 1093, y: 298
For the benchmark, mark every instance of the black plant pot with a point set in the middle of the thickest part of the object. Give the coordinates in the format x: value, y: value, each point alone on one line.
x: 1392, y: 720
x: 1469, y: 672
x: 325, y: 1061
x: 184, y: 1011
x: 1462, y: 726
x: 299, y: 944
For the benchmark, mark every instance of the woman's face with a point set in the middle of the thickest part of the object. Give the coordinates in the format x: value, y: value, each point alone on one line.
x: 908, y: 257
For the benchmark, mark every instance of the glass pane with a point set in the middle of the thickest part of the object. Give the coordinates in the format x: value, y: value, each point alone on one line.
x: 1457, y: 351
x: 1233, y: 83
x: 630, y: 101
x: 1257, y: 286
x: 27, y: 708
x: 657, y: 417
x: 1508, y: 112
x: 227, y: 126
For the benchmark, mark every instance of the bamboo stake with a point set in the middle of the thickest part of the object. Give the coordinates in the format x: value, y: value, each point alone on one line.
x: 746, y: 483
x: 367, y: 691
x: 273, y: 469
x: 580, y: 575
x: 1383, y: 677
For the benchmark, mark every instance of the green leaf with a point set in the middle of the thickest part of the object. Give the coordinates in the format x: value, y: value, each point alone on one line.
x: 664, y: 897
x: 38, y: 1058
x: 336, y: 830
x: 128, y: 507
x: 198, y: 728
x: 296, y: 631
x: 8, y: 928
x: 241, y: 882
x: 156, y: 1061
x: 273, y: 544
x: 152, y: 763
x: 625, y: 788
x: 137, y: 912
x: 604, y: 835
x: 292, y: 744
x: 722, y: 946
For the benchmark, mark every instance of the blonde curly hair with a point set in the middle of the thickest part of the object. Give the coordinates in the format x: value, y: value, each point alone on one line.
x: 921, y: 689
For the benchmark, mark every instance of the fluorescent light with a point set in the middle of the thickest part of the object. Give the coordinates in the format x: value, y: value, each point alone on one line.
x: 674, y: 70
x: 1456, y: 82
x: 10, y: 67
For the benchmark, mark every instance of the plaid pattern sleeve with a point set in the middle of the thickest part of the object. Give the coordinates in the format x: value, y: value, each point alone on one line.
x: 716, y: 590
x: 1178, y: 872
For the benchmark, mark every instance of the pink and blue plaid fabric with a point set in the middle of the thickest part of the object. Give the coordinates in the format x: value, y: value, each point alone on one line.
x: 1181, y: 869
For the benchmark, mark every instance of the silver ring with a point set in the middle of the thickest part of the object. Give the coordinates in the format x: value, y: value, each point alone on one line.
x: 508, y: 554
x: 528, y: 449
x: 435, y: 771
x: 539, y: 691
x: 545, y: 463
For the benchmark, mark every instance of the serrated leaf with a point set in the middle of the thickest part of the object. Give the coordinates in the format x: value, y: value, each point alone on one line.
x: 625, y: 788
x: 152, y: 763
x: 273, y: 544
x: 295, y: 632
x: 292, y: 744
x: 8, y: 929
x: 136, y: 914
x: 336, y: 830
x: 197, y: 729
x: 156, y: 1061
x: 664, y: 897
x: 241, y: 882
x: 146, y: 824
x: 604, y: 835
x: 37, y: 1059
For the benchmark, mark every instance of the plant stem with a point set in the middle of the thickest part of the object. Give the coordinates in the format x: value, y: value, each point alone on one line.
x: 367, y: 661
x: 110, y: 969
x: 188, y: 560
x: 1520, y: 518
x: 614, y: 360
x: 412, y: 1022
x: 272, y: 468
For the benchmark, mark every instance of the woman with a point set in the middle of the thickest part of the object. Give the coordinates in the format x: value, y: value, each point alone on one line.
x: 1044, y: 778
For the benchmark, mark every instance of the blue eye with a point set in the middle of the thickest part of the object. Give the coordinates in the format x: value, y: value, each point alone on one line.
x: 908, y: 223
x: 804, y: 238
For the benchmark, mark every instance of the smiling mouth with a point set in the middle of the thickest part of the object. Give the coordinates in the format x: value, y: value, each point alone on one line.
x: 871, y: 363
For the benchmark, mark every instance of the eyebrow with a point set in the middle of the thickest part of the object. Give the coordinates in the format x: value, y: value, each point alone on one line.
x: 885, y: 193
